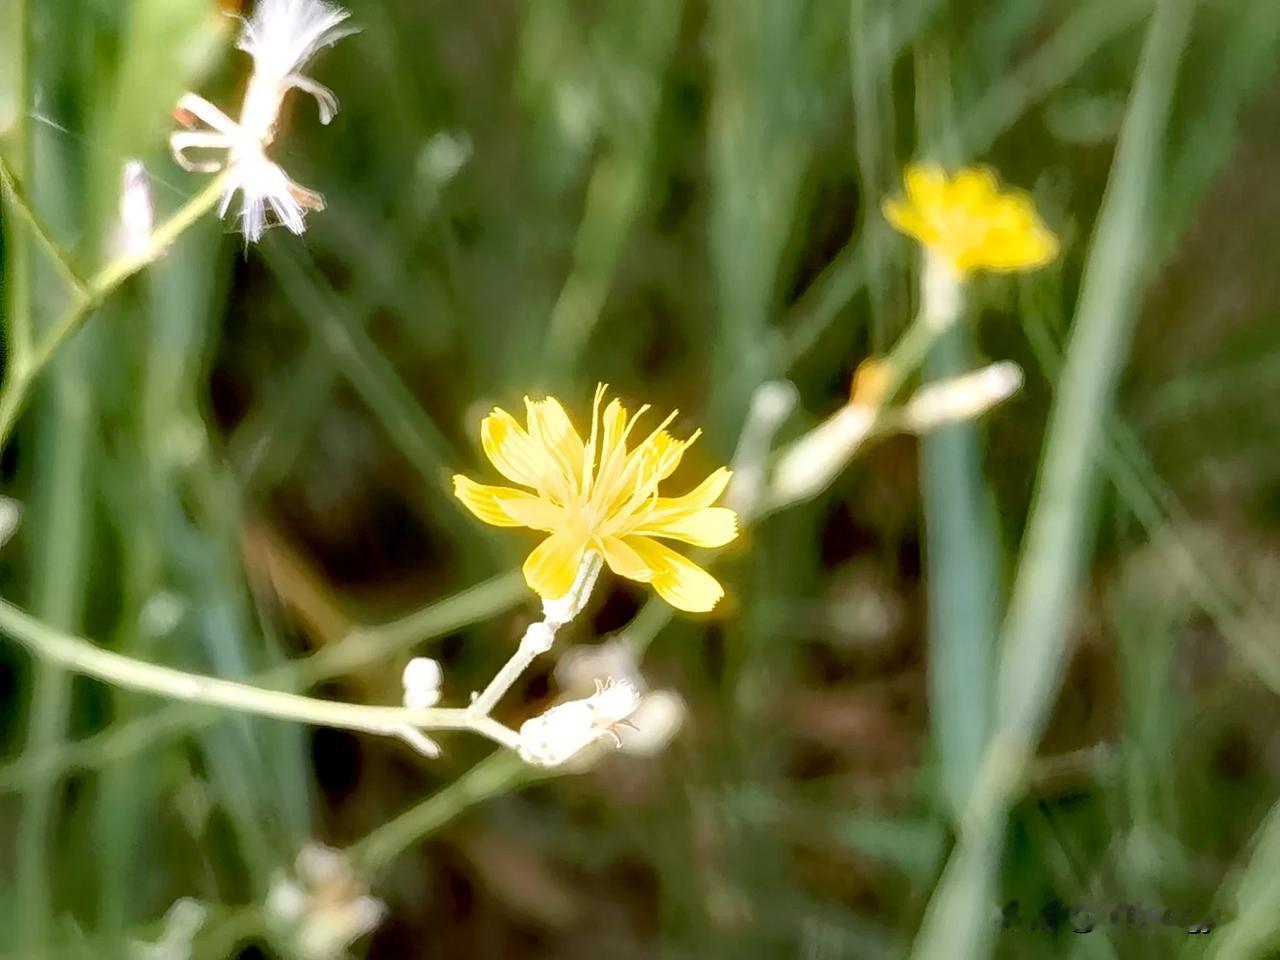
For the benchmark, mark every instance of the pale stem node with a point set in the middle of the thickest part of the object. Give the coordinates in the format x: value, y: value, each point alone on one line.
x: 418, y: 740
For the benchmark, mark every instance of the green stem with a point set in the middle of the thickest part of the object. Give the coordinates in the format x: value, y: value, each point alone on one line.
x: 497, y: 773
x: 90, y: 295
x: 361, y: 647
x: 19, y: 203
x: 1036, y: 630
x: 18, y: 272
x: 81, y: 656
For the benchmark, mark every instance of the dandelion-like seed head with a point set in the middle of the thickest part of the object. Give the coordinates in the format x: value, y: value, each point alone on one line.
x: 969, y: 222
x: 268, y: 196
x: 280, y: 36
x: 601, y: 496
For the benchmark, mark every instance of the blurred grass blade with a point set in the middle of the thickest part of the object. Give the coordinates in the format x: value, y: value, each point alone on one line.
x: 1036, y: 630
x: 961, y: 570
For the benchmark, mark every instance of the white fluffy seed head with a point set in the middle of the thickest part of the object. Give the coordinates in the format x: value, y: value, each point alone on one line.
x: 268, y: 196
x: 282, y: 35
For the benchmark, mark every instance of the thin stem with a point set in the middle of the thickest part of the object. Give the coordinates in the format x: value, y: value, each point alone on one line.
x: 540, y: 636
x: 90, y: 294
x: 19, y: 203
x: 536, y: 641
x: 362, y: 646
x: 1035, y: 641
x: 18, y: 273
x: 495, y: 774
x: 81, y: 656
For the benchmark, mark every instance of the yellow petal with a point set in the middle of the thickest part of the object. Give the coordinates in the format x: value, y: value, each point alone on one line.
x: 661, y: 454
x: 974, y: 189
x: 679, y: 581
x: 513, y: 451
x: 537, y: 513
x: 549, y: 426
x: 606, y: 437
x: 907, y: 219
x: 926, y: 185
x: 709, y: 527
x: 487, y: 502
x: 870, y: 381
x: 703, y: 495
x: 552, y: 566
x: 623, y: 560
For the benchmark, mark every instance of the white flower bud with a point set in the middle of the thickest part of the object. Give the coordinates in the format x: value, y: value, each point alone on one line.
x: 654, y: 724
x: 422, y: 677
x: 137, y: 216
x: 963, y: 397
x: 568, y: 728
x: 812, y: 462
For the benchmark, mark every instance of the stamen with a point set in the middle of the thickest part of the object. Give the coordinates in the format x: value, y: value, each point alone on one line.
x: 589, y: 453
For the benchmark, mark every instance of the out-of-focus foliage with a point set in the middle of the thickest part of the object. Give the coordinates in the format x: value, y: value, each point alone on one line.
x: 244, y: 460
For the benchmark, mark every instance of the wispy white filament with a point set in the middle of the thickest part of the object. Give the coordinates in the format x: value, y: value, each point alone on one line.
x: 280, y: 36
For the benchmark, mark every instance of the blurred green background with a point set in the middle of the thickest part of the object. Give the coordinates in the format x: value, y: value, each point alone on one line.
x: 242, y: 461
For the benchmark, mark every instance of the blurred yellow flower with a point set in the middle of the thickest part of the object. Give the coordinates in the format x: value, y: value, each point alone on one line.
x: 601, y: 497
x: 969, y: 223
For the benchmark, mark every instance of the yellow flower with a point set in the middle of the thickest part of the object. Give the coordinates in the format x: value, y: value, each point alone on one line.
x: 599, y: 496
x: 968, y: 222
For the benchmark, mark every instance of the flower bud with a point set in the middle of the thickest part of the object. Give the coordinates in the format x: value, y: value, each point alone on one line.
x: 963, y: 397
x: 812, y: 462
x: 422, y: 678
x: 568, y: 728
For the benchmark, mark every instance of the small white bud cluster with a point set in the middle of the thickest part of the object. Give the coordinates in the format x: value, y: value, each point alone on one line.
x: 422, y: 678
x: 324, y: 906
